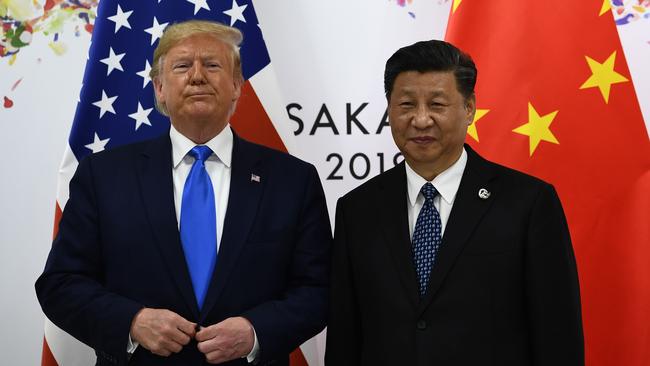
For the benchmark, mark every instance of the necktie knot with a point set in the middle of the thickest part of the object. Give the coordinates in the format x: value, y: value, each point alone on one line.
x: 201, y: 152
x: 428, y: 191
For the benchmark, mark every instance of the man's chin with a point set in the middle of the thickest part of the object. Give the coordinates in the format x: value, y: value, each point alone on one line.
x: 201, y: 111
x: 197, y: 116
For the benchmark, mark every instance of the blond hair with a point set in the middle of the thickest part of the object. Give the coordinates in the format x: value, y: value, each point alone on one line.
x: 177, y: 32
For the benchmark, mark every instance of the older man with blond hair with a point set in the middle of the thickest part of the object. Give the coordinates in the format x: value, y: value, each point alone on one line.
x: 198, y: 246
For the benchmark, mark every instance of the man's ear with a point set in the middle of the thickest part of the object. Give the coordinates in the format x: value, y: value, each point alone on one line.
x: 158, y: 89
x: 470, y: 108
x: 237, y: 84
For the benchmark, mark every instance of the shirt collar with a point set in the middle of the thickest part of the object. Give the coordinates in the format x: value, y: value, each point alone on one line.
x: 221, y: 145
x: 446, y: 183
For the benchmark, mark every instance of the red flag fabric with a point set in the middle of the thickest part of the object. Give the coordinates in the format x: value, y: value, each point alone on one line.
x: 252, y: 123
x: 555, y: 99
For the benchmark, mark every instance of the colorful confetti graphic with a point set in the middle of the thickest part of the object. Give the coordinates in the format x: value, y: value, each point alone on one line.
x: 627, y: 11
x: 405, y: 3
x: 21, y: 19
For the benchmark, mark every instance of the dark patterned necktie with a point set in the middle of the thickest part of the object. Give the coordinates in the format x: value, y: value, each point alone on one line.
x: 426, y: 238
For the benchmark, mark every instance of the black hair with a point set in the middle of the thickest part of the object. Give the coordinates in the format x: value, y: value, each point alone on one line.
x: 433, y: 55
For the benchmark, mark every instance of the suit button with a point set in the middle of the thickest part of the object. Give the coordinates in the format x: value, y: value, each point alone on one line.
x: 422, y: 325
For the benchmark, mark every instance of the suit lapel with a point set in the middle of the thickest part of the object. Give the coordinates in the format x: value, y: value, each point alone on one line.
x: 154, y: 169
x: 392, y: 206
x: 466, y: 213
x: 243, y: 201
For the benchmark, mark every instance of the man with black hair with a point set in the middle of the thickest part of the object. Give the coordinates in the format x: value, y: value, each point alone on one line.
x: 449, y: 259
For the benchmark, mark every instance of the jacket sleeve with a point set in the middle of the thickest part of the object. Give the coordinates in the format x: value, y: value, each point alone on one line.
x: 552, y: 289
x: 71, y: 290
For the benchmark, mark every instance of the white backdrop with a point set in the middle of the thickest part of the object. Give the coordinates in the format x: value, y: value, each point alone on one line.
x: 33, y: 135
x: 329, y: 64
x: 331, y: 55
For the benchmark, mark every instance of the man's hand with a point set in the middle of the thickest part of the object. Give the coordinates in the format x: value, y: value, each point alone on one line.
x: 161, y: 331
x: 231, y: 339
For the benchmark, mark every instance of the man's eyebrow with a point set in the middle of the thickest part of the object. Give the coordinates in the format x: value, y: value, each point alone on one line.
x: 409, y: 90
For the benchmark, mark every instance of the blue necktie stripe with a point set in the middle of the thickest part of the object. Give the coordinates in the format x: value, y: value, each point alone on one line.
x: 198, y: 224
x: 426, y: 238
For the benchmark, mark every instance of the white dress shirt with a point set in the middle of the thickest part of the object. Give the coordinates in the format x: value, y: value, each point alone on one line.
x: 446, y: 183
x: 219, y: 167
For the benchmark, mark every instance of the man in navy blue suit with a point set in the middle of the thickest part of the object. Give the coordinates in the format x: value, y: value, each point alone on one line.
x: 148, y: 273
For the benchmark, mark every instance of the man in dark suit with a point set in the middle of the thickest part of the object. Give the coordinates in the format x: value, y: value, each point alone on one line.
x: 449, y: 259
x: 135, y: 272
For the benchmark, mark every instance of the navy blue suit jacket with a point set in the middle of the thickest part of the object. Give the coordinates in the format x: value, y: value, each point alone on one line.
x: 118, y: 250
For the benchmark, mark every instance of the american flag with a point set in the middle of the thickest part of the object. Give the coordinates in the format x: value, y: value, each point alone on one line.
x: 116, y: 103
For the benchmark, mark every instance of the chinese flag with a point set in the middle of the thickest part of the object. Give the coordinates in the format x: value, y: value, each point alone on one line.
x: 555, y: 99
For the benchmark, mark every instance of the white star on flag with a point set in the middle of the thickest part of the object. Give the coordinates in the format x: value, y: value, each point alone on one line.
x: 156, y: 30
x: 236, y: 12
x: 105, y: 104
x: 199, y: 4
x: 121, y: 19
x: 144, y: 74
x: 141, y: 116
x: 98, y: 144
x: 113, y: 61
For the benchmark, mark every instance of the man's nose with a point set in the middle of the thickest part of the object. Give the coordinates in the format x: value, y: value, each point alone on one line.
x: 197, y: 74
x: 422, y: 117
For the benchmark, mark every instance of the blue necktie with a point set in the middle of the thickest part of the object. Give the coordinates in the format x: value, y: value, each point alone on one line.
x: 426, y: 238
x: 199, y: 224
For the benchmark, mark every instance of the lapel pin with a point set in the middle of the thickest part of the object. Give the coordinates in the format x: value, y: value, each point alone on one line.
x: 255, y: 178
x: 483, y: 194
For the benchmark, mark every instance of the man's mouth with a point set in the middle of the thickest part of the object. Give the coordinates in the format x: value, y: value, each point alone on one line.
x: 422, y: 139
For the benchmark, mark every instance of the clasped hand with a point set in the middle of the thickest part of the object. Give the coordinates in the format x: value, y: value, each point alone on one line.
x: 164, y: 332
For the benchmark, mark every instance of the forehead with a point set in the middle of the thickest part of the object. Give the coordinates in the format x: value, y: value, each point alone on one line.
x: 429, y: 82
x: 202, y: 44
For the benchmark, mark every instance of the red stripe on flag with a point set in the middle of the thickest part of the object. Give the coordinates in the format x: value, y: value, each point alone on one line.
x: 47, y: 358
x: 297, y: 359
x: 251, y: 121
x: 57, y: 218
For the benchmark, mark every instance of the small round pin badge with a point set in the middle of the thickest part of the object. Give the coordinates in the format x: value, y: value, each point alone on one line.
x: 483, y: 194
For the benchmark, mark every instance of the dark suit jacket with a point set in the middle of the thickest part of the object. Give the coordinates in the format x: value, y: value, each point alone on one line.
x: 118, y: 249
x: 503, y: 291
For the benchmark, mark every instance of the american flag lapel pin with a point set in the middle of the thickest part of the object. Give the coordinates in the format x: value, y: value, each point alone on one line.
x: 255, y: 178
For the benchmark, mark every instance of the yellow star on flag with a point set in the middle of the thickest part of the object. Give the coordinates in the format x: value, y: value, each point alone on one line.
x: 537, y: 128
x: 607, y: 6
x: 603, y: 75
x: 455, y: 6
x: 471, y: 130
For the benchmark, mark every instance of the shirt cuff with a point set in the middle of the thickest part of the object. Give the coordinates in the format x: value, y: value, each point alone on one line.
x: 132, y: 345
x: 256, y: 347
